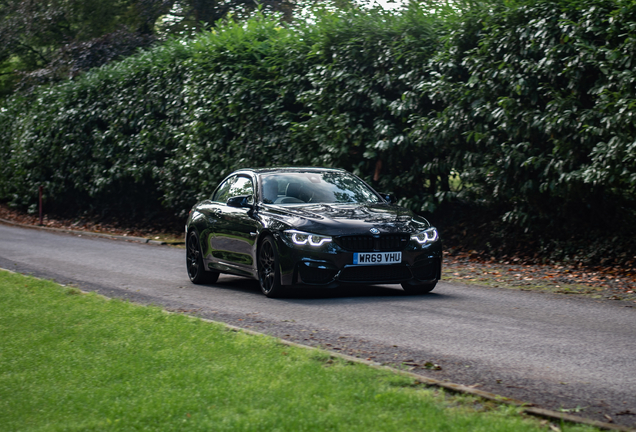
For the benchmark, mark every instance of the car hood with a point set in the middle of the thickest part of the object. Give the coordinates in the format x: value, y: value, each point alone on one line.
x: 340, y: 219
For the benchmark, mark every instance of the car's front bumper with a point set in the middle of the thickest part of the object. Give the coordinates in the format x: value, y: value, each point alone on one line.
x: 330, y: 265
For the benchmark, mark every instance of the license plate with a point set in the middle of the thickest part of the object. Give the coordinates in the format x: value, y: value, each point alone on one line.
x: 375, y: 258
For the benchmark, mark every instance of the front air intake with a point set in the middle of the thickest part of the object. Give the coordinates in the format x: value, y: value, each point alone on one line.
x: 367, y: 243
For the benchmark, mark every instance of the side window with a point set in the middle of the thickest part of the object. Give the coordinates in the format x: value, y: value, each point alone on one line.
x: 222, y: 193
x: 242, y: 186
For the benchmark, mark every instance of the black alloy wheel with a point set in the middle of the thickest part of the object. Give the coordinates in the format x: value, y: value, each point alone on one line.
x: 194, y: 262
x: 269, y: 268
x: 424, y: 288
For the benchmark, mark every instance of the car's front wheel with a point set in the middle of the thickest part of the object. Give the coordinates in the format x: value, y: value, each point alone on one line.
x: 269, y: 268
x: 194, y: 262
x: 419, y: 288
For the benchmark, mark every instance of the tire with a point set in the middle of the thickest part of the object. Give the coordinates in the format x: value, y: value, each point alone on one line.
x: 194, y: 262
x: 269, y: 268
x: 424, y: 288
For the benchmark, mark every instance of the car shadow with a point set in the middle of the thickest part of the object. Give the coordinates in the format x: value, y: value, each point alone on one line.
x: 310, y: 293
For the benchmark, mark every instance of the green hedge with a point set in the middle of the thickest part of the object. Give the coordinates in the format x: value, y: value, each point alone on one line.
x: 525, y: 108
x: 159, y: 130
x: 538, y: 99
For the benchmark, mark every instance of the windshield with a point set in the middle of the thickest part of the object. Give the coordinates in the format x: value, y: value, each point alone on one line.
x: 316, y: 188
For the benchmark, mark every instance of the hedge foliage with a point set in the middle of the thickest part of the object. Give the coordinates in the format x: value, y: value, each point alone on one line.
x: 540, y: 99
x: 525, y: 107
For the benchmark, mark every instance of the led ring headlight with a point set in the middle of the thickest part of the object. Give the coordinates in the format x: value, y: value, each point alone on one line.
x: 427, y: 236
x: 302, y: 238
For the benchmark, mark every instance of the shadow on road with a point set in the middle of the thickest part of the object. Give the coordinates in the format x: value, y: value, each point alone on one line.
x: 309, y: 293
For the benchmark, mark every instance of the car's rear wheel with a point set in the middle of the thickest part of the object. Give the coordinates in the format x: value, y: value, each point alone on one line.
x: 269, y: 268
x: 419, y: 288
x: 194, y: 262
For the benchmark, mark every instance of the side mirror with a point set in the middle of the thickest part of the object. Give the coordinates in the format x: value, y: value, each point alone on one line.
x: 390, y: 198
x: 241, y: 201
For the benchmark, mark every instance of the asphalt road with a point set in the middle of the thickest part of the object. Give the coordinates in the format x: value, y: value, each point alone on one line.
x: 557, y: 352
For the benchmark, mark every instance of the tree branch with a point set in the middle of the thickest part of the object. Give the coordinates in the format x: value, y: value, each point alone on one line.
x: 38, y: 53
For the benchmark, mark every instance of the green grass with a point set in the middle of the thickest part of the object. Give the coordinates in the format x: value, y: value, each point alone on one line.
x: 71, y: 361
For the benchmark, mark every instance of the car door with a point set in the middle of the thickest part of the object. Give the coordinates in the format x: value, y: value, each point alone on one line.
x: 211, y: 210
x: 235, y: 230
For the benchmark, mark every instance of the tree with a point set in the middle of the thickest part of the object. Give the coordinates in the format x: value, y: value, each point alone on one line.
x: 44, y: 41
x: 203, y: 14
x: 49, y: 41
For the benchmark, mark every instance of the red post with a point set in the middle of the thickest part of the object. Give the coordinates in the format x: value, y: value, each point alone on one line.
x: 40, y: 202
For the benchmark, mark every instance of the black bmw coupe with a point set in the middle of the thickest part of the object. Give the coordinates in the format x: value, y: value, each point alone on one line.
x: 289, y: 227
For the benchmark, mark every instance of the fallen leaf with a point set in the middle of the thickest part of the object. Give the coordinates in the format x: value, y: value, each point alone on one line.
x: 432, y: 366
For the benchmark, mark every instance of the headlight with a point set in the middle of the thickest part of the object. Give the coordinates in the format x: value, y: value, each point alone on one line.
x: 425, y: 237
x: 302, y: 238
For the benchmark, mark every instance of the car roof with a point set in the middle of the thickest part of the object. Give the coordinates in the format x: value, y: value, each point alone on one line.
x: 288, y: 169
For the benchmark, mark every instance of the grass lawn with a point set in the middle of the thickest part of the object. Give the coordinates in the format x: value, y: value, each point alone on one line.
x: 71, y: 361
